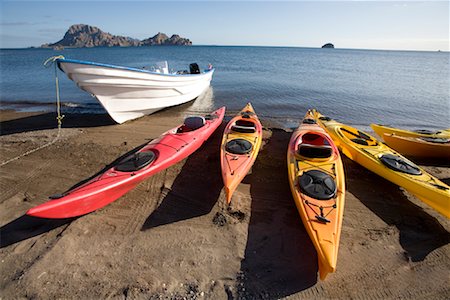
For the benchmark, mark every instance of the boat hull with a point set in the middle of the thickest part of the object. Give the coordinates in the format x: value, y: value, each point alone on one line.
x: 128, y: 93
x: 419, y: 147
x: 170, y: 148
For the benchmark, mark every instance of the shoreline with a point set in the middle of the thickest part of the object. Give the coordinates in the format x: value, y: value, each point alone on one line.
x: 318, y: 47
x: 173, y: 235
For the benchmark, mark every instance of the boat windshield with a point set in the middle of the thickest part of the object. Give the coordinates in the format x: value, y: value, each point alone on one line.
x: 162, y: 67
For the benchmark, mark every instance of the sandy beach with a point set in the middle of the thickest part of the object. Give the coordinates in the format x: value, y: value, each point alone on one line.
x: 174, y: 237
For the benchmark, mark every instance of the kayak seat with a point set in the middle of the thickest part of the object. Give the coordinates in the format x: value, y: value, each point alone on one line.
x: 314, y: 139
x: 192, y: 123
x: 360, y: 141
x: 239, y: 146
x: 318, y: 185
x: 210, y: 117
x: 400, y: 164
x: 425, y: 131
x: 309, y: 121
x: 436, y: 140
x: 244, y: 126
x: 247, y: 114
x: 136, y: 161
x: 315, y: 151
x: 324, y: 118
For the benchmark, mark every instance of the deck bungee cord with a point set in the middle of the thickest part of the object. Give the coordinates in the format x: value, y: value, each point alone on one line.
x: 59, y: 117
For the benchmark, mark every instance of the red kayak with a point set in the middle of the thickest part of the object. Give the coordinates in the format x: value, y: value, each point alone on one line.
x: 161, y: 153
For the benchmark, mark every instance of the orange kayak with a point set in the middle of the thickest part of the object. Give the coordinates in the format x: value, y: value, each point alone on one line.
x: 420, y: 147
x: 241, y: 141
x: 316, y: 177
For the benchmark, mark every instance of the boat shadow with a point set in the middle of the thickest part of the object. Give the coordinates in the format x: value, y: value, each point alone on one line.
x: 280, y: 259
x: 48, y: 121
x: 195, y: 189
x: 26, y: 227
x: 420, y: 233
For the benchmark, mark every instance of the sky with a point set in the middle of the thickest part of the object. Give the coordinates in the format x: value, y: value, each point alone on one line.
x: 393, y: 25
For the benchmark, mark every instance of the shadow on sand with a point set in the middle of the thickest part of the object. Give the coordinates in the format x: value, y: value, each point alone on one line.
x: 48, y: 121
x: 420, y: 233
x: 195, y: 189
x: 436, y: 162
x: 109, y: 166
x: 280, y: 259
x: 27, y: 227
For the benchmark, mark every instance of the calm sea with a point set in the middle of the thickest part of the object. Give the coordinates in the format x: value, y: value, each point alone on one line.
x: 402, y: 88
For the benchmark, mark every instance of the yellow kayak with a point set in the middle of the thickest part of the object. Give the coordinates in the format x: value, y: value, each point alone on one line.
x: 382, y: 160
x: 382, y: 129
x: 241, y: 141
x: 419, y: 147
x: 316, y: 177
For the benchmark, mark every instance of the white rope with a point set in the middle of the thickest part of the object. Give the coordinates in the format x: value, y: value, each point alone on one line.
x: 59, y: 117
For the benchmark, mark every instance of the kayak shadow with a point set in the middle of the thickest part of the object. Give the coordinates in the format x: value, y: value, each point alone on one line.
x: 431, y: 162
x: 48, y: 121
x: 280, y: 259
x: 196, y: 188
x: 420, y: 233
x: 26, y: 227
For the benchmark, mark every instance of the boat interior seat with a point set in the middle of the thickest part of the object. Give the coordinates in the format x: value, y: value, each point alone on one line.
x: 194, y: 68
x: 243, y: 126
x: 314, y: 151
x: 136, y: 161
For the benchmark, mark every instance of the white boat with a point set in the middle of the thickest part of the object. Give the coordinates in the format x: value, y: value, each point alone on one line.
x: 129, y: 93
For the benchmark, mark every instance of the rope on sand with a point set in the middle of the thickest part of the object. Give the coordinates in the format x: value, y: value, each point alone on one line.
x: 59, y: 117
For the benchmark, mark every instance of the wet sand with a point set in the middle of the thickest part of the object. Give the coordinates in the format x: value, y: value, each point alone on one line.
x: 173, y: 237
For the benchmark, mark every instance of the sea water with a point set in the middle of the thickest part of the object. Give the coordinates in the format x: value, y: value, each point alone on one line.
x: 405, y: 89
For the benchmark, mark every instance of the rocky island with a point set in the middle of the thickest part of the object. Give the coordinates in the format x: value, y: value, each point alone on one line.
x: 328, y: 45
x: 81, y: 35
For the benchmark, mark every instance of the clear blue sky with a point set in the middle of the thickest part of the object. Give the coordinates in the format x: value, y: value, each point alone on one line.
x: 399, y: 25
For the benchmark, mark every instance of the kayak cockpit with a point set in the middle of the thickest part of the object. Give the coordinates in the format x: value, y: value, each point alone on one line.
x: 136, y: 161
x: 314, y: 146
x: 239, y: 146
x: 192, y: 123
x: 244, y: 126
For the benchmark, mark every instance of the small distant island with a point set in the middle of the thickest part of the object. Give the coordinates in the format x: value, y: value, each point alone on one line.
x: 83, y: 36
x: 328, y: 45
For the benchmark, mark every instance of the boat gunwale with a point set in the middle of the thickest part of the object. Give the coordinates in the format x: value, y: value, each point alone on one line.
x: 82, y: 62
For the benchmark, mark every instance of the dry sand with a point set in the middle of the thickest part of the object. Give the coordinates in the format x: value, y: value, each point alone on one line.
x: 173, y: 237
